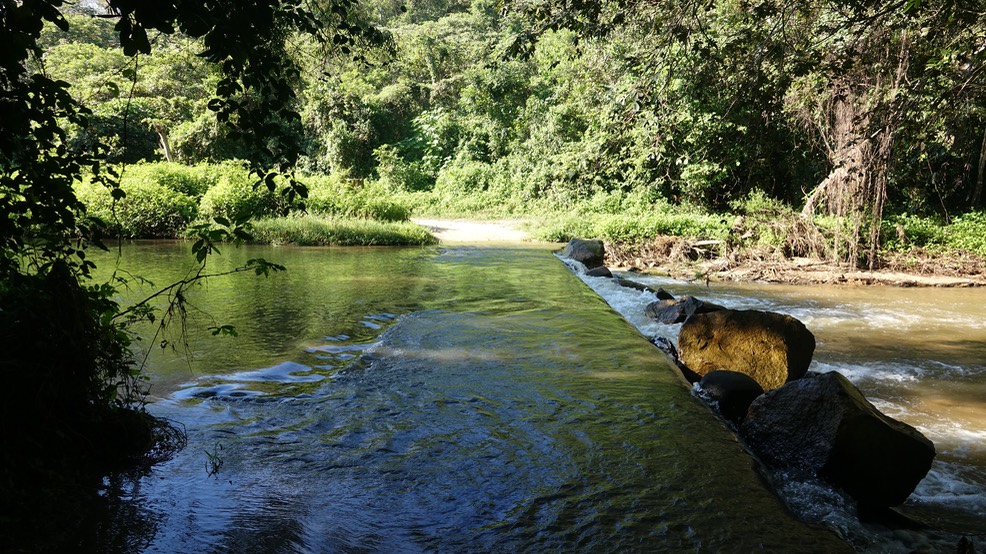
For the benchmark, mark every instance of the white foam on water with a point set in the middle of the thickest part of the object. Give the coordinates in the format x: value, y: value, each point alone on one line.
x: 856, y: 373
x: 948, y: 484
x: 227, y: 390
x: 342, y: 349
x: 957, y: 480
x: 955, y: 438
x: 286, y: 372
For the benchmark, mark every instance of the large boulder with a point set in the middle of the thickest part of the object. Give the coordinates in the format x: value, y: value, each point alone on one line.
x: 730, y: 393
x: 825, y: 425
x: 677, y: 310
x: 770, y: 347
x: 588, y: 251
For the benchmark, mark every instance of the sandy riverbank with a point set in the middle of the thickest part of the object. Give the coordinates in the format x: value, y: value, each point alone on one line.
x: 469, y: 231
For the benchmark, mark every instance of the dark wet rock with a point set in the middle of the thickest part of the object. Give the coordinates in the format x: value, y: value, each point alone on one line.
x: 771, y: 348
x: 660, y: 293
x: 677, y: 310
x: 601, y: 271
x: 825, y: 425
x: 588, y: 251
x: 731, y: 393
x: 665, y: 345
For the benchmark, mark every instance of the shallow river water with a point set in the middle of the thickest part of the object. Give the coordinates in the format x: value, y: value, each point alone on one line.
x: 485, y: 399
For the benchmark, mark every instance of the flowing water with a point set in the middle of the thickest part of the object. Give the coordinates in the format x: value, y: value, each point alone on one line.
x: 919, y: 355
x: 484, y: 399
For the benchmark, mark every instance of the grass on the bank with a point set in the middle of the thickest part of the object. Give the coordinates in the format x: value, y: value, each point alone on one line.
x: 311, y: 230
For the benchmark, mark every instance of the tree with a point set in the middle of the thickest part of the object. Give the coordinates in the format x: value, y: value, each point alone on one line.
x: 65, y: 409
x: 880, y: 71
x: 734, y: 93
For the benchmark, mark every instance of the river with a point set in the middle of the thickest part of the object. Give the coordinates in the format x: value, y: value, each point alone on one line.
x: 464, y: 399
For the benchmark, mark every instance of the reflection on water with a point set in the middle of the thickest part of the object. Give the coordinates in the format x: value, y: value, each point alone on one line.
x: 918, y: 354
x: 463, y: 399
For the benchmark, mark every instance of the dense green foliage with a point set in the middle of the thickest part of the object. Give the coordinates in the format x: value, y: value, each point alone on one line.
x: 842, y: 112
x: 168, y: 200
x: 845, y: 113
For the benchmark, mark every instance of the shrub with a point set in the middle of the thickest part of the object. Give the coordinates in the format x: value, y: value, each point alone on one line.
x: 758, y: 204
x: 149, y: 209
x: 396, y: 173
x: 903, y: 231
x: 635, y: 226
x: 968, y: 232
x: 191, y: 181
x: 465, y: 176
x: 234, y: 194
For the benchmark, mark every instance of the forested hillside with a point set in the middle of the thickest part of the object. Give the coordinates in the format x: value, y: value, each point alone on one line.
x: 867, y: 118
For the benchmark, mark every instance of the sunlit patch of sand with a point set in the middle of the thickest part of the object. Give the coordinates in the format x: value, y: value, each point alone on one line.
x: 465, y: 231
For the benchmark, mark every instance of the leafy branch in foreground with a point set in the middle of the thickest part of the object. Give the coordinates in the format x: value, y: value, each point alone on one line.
x: 176, y: 305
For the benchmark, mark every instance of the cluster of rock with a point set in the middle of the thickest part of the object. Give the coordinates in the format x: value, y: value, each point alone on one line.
x: 752, y: 368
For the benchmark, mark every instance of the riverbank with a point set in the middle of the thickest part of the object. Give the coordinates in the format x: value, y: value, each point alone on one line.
x: 697, y: 261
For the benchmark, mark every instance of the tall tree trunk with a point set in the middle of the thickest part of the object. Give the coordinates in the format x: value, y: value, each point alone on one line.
x: 977, y: 193
x: 162, y: 134
x: 862, y: 115
x: 841, y: 193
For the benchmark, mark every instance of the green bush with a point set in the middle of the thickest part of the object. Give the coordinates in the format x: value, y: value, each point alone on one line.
x: 189, y: 180
x: 764, y: 221
x: 968, y: 232
x: 903, y: 231
x: 562, y: 228
x: 758, y: 205
x: 234, y: 194
x: 635, y: 226
x: 641, y: 227
x: 149, y: 209
x: 397, y: 173
x: 464, y: 176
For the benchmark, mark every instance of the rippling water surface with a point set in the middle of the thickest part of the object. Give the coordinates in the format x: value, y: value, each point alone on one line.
x: 464, y: 399
x: 441, y: 400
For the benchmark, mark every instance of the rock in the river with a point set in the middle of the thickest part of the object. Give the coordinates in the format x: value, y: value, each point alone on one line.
x: 601, y: 271
x: 770, y: 347
x: 666, y: 346
x: 660, y: 293
x: 588, y: 251
x: 731, y: 392
x: 825, y: 425
x: 678, y: 310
